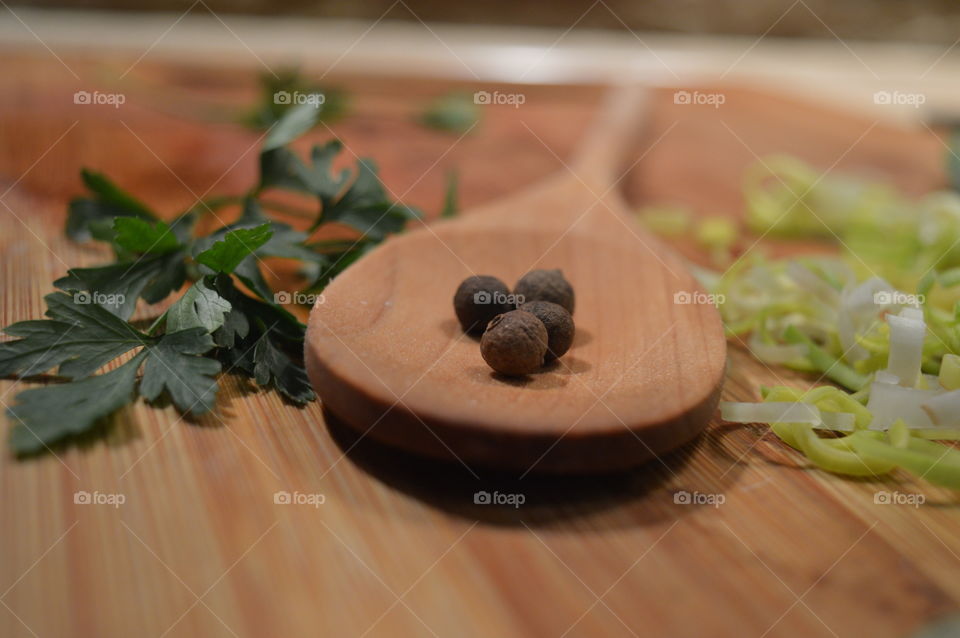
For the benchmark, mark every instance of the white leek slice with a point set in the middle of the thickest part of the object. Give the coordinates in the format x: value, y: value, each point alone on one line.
x: 774, y: 352
x: 807, y: 279
x: 906, y: 346
x: 912, y: 313
x: 889, y: 402
x: 771, y: 412
x: 882, y: 376
x: 837, y: 421
x: 859, y: 307
x: 944, y: 409
x: 950, y: 372
x: 929, y: 382
x: 786, y: 412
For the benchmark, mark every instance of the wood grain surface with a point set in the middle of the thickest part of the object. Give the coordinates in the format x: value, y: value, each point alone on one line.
x: 398, y: 548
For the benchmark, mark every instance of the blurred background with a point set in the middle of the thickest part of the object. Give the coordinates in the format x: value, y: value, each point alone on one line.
x: 830, y: 52
x: 920, y: 20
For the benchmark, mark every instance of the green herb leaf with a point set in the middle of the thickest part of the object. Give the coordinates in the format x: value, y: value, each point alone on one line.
x: 48, y: 414
x: 285, y: 241
x: 118, y: 286
x: 173, y: 365
x: 199, y: 307
x: 79, y: 338
x: 366, y: 207
x: 225, y: 255
x: 324, y: 183
x: 450, y: 207
x: 281, y: 168
x: 454, y: 113
x: 214, y: 323
x: 282, y: 92
x: 139, y: 236
x: 250, y: 323
x: 337, y: 262
x: 92, y: 217
x: 292, y: 125
x: 953, y: 162
x: 272, y: 366
x: 363, y: 205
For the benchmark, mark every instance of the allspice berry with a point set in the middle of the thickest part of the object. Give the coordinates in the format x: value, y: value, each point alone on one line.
x: 514, y: 343
x: 545, y: 285
x: 478, y: 300
x: 559, y: 325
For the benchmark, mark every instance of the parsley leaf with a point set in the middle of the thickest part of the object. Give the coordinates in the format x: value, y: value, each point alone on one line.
x: 341, y: 256
x: 366, y: 207
x: 952, y: 161
x: 226, y: 254
x: 118, y: 286
x: 450, y: 207
x: 271, y: 365
x: 455, y: 113
x: 199, y: 307
x: 172, y: 366
x: 139, y: 236
x: 282, y: 168
x: 285, y: 241
x: 92, y: 217
x: 283, y: 91
x: 49, y: 414
x: 297, y: 121
x: 214, y: 324
x: 263, y: 341
x: 363, y: 205
x: 81, y: 338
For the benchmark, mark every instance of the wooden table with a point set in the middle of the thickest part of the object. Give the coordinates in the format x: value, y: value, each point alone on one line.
x: 398, y: 548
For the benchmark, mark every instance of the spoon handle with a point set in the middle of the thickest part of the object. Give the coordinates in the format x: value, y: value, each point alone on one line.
x: 601, y: 158
x: 583, y: 194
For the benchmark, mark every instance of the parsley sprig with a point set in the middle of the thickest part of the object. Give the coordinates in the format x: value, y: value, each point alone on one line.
x: 226, y: 321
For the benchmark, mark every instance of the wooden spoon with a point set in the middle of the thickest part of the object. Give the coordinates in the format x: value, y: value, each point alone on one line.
x: 387, y: 356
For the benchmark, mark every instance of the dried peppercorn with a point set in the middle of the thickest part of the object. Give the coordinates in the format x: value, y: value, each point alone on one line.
x: 514, y: 343
x: 545, y: 285
x: 559, y: 325
x: 479, y: 299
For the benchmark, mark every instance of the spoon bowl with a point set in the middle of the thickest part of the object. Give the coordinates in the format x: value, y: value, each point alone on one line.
x: 387, y: 356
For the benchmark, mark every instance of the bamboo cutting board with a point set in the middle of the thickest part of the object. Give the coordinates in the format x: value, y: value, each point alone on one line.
x: 199, y: 547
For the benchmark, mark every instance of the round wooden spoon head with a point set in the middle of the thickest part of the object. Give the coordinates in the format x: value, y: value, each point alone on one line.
x: 387, y: 356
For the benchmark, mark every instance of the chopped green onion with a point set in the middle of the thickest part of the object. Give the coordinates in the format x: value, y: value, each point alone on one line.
x: 832, y: 367
x: 950, y: 372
